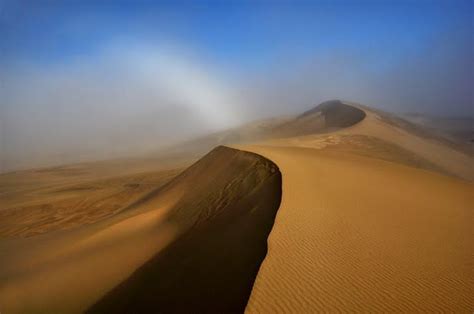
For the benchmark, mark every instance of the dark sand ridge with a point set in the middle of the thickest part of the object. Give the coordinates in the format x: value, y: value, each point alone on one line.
x: 105, y: 233
x: 384, y: 147
x: 170, y: 280
x: 229, y: 207
x: 210, y: 223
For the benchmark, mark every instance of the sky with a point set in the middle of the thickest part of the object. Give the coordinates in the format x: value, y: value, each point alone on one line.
x: 84, y: 80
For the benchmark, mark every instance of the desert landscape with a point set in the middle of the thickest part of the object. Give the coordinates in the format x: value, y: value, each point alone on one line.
x: 341, y: 207
x: 236, y: 157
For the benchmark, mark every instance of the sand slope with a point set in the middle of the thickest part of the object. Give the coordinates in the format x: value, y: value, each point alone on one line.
x: 375, y: 215
x: 38, y: 201
x: 432, y: 151
x: 222, y: 204
x: 212, y: 266
x: 329, y: 116
x: 65, y: 271
x: 373, y: 218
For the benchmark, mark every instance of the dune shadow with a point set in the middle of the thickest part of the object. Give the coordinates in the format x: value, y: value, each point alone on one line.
x: 228, y: 211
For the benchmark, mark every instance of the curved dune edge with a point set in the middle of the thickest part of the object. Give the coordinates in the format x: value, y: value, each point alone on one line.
x: 336, y: 114
x: 366, y: 223
x: 211, y: 223
x: 355, y: 121
x: 369, y: 221
x: 329, y: 116
x: 229, y: 211
x: 355, y: 233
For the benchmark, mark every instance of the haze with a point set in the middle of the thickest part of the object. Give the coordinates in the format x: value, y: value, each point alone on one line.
x: 86, y: 82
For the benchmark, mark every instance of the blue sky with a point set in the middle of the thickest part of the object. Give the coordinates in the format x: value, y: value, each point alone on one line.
x: 241, y: 33
x: 102, y: 78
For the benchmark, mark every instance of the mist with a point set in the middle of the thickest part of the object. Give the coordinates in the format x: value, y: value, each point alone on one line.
x: 136, y: 92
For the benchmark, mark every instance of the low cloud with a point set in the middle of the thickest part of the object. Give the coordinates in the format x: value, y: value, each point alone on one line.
x: 133, y: 98
x: 129, y: 99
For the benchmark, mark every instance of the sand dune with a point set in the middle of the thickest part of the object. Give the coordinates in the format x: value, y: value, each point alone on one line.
x: 327, y: 117
x: 212, y: 266
x: 37, y: 201
x: 202, y: 221
x: 65, y: 271
x: 431, y: 151
x: 454, y: 159
x: 375, y: 216
x: 358, y: 234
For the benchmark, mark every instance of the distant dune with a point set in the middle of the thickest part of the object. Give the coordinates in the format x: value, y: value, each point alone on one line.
x: 375, y: 216
x: 328, y: 116
x: 347, y: 118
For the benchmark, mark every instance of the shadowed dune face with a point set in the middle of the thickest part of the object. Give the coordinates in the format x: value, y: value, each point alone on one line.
x: 368, y: 200
x: 335, y: 114
x: 228, y: 211
x: 202, y: 232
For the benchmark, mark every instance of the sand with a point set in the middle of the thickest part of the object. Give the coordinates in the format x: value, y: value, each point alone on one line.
x: 225, y: 221
x: 373, y: 219
x: 384, y: 238
x: 65, y: 271
x: 204, y: 228
x: 69, y: 234
x: 39, y: 201
x: 375, y: 216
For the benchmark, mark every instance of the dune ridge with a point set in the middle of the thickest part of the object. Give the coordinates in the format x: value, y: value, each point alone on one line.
x: 210, y: 222
x: 212, y: 266
x: 327, y: 117
x: 374, y: 217
x: 364, y: 243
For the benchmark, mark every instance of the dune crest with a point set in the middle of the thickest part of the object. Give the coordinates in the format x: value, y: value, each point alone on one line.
x: 205, y: 228
x: 226, y: 216
x: 373, y: 218
x: 327, y: 117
